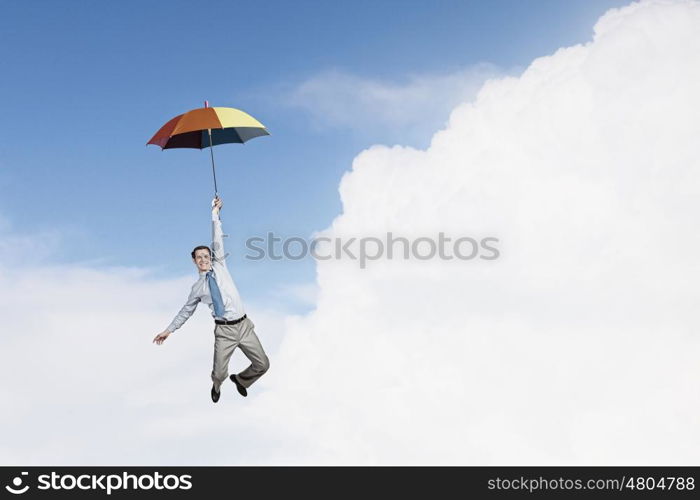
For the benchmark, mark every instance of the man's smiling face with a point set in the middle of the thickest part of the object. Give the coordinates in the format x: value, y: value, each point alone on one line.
x: 202, y: 260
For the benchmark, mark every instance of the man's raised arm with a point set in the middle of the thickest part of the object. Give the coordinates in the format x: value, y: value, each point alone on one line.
x: 217, y: 233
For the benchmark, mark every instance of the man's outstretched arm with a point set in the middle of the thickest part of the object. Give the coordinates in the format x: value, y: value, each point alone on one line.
x: 182, y: 316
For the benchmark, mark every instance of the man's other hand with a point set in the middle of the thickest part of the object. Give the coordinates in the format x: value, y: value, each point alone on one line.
x: 161, y: 337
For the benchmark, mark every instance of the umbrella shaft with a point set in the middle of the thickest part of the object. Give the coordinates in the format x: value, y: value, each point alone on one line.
x: 213, y: 169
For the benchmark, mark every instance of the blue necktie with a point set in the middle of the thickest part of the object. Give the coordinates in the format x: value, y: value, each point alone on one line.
x: 215, y: 295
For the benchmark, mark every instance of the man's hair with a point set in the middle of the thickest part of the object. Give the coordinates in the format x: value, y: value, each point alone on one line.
x: 201, y: 247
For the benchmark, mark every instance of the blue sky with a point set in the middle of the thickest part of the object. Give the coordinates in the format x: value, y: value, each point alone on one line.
x: 85, y: 85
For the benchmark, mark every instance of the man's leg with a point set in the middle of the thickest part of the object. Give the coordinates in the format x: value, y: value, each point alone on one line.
x: 225, y: 343
x: 251, y: 347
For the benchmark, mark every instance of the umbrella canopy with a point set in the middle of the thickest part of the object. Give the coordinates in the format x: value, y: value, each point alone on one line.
x: 206, y: 127
x: 191, y: 129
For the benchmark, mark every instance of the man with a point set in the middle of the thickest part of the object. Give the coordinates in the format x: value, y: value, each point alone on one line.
x: 216, y: 288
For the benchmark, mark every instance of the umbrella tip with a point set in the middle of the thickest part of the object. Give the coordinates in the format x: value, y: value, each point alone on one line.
x: 206, y: 104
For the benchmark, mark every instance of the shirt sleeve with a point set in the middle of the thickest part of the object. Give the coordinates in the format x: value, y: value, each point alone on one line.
x: 217, y: 241
x: 186, y: 311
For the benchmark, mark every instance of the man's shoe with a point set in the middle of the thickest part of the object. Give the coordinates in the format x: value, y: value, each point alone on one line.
x: 214, y: 395
x: 241, y: 390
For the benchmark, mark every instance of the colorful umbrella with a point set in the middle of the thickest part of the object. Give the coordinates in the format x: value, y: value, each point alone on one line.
x: 207, y: 127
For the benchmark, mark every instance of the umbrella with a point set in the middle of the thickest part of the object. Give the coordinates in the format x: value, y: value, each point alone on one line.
x: 207, y: 127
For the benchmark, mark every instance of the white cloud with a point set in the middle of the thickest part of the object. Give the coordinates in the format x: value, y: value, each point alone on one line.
x: 84, y: 384
x: 407, y: 110
x: 36, y: 246
x: 579, y: 339
x: 577, y: 346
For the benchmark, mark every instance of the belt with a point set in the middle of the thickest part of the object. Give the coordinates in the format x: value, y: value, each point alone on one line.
x: 232, y: 322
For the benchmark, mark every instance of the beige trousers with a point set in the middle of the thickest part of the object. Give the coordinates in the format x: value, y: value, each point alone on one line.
x: 226, y: 339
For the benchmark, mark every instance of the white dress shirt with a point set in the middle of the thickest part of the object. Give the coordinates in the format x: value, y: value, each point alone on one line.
x: 233, y: 306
